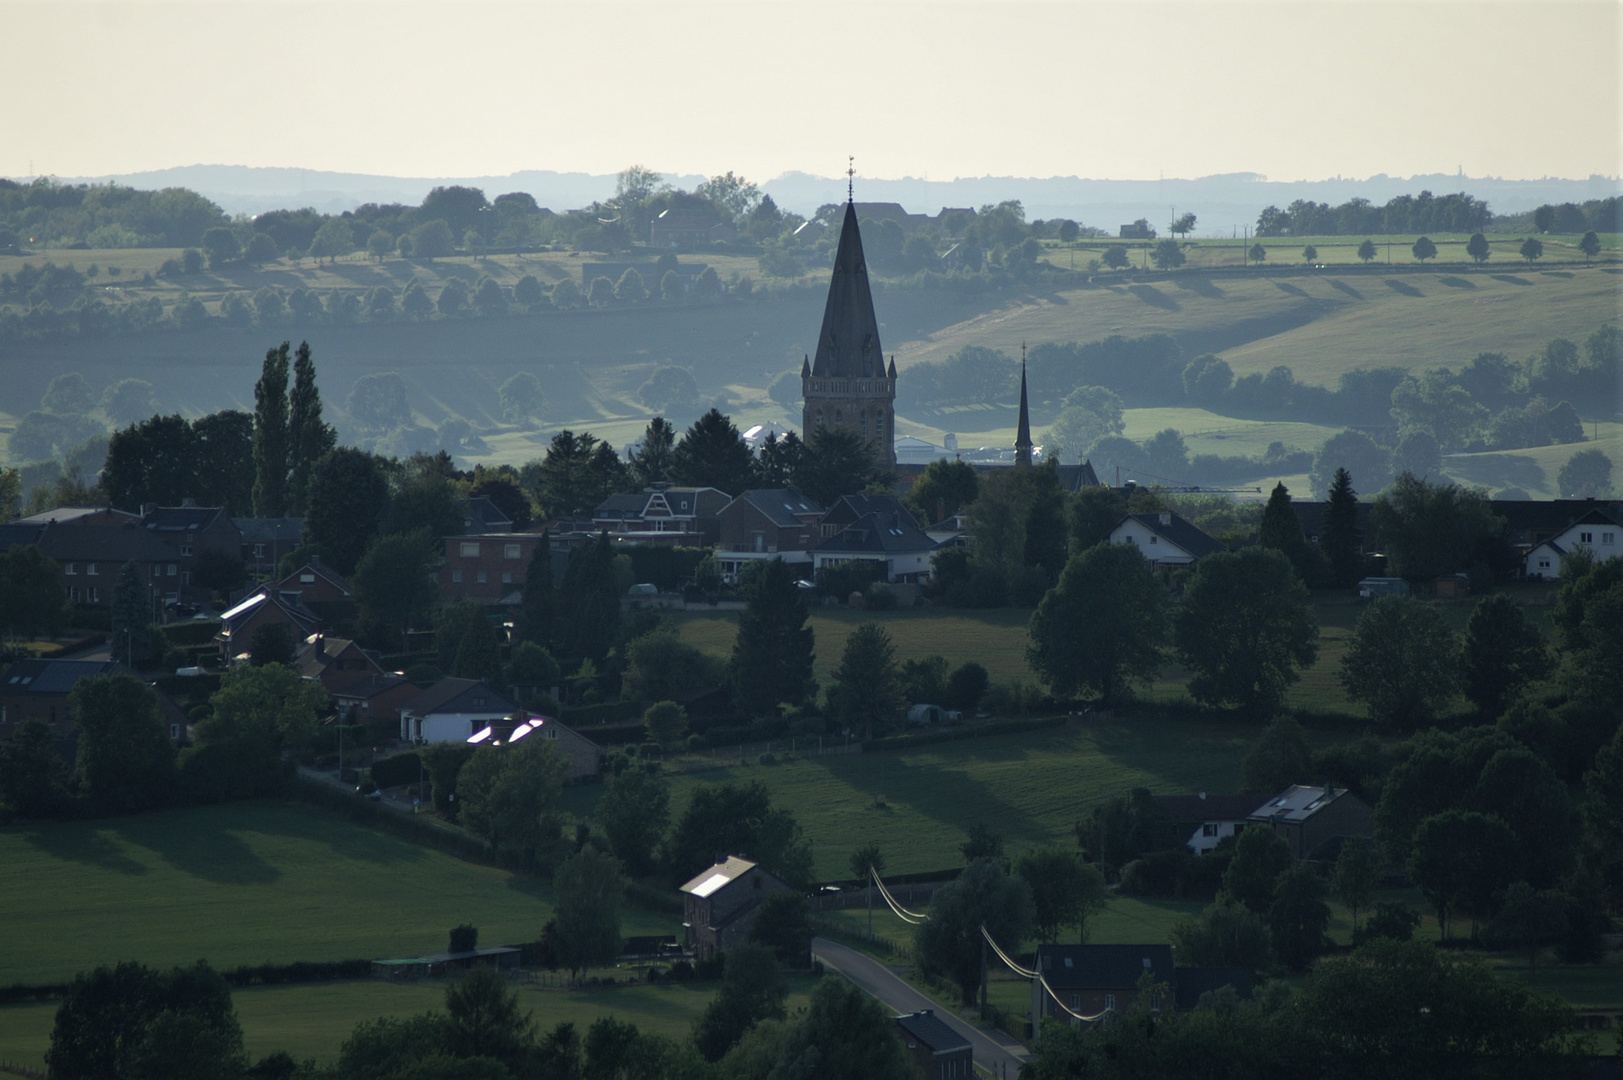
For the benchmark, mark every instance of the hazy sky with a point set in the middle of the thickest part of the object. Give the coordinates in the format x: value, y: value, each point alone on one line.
x: 1099, y: 88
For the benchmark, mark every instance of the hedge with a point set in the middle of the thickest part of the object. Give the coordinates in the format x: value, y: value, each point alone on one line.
x: 607, y: 713
x: 397, y: 771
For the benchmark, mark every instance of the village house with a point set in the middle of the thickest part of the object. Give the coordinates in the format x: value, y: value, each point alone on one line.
x: 766, y: 524
x: 267, y: 541
x: 584, y: 756
x: 1167, y: 540
x: 453, y: 710
x: 334, y: 662
x: 719, y: 905
x: 663, y: 514
x: 1314, y: 820
x: 91, y: 556
x: 1597, y: 531
x: 875, y: 529
x: 487, y: 567
x: 39, y: 690
x: 193, y: 533
x: 1207, y: 820
x: 266, y: 607
x: 1093, y: 980
x: 374, y: 698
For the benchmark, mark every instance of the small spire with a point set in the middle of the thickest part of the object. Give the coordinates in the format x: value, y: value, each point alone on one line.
x: 893, y: 366
x: 1022, y: 437
x: 850, y: 178
x: 805, y: 367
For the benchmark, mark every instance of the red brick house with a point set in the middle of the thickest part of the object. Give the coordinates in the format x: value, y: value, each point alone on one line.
x: 374, y: 698
x: 766, y: 523
x: 720, y: 904
x: 267, y: 541
x: 1093, y: 980
x: 263, y: 608
x: 488, y: 567
x: 91, y: 556
x: 334, y: 662
x: 316, y: 583
x: 191, y: 531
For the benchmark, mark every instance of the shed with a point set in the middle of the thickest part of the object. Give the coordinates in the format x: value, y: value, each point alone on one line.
x: 941, y: 1052
x: 1371, y: 587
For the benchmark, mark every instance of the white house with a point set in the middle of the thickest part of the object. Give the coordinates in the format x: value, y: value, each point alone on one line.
x: 1596, y: 530
x: 452, y: 710
x: 1165, y: 539
x: 1207, y: 820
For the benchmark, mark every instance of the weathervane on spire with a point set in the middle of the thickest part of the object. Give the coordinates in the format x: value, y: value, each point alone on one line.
x: 850, y: 178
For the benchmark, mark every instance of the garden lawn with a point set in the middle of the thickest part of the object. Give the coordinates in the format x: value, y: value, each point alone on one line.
x: 312, y: 1021
x: 245, y: 883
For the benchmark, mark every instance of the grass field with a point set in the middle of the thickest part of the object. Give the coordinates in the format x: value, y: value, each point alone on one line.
x: 1031, y: 787
x: 313, y: 1021
x: 245, y: 883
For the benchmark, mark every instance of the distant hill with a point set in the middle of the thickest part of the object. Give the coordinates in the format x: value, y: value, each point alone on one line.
x: 1223, y: 203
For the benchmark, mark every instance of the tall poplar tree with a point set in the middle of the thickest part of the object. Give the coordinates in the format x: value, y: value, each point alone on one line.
x: 271, y: 436
x: 309, y: 436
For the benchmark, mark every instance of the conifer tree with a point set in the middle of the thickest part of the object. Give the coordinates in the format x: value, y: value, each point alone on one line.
x: 1281, y: 530
x: 539, y: 598
x: 271, y: 436
x: 309, y: 436
x: 1341, y: 542
x: 772, y: 656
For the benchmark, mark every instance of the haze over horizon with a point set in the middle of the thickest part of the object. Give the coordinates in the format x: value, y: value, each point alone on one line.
x: 1113, y: 89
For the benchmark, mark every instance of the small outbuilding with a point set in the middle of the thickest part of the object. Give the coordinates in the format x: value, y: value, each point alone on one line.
x: 1372, y: 587
x: 941, y: 1052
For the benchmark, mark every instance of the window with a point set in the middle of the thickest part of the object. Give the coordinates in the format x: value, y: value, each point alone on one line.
x: 171, y: 570
x: 507, y: 577
x: 1586, y: 538
x: 510, y: 551
x: 186, y: 577
x: 1209, y: 829
x: 92, y: 569
x: 186, y: 550
x: 1110, y: 1001
x: 174, y: 731
x: 1608, y: 538
x: 1155, y: 539
x: 468, y: 549
x: 456, y: 577
x: 1544, y: 564
x: 307, y: 579
x: 480, y: 577
x: 95, y: 595
x: 259, y: 551
x: 71, y: 568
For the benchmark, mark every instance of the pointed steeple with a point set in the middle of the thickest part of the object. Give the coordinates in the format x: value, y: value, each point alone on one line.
x: 805, y: 366
x: 848, y: 346
x: 1022, y: 435
x: 892, y: 372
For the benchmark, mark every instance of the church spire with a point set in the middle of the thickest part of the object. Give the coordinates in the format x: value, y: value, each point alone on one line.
x: 848, y: 346
x: 1022, y: 435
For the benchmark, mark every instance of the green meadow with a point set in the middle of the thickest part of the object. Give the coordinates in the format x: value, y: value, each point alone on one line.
x: 245, y: 883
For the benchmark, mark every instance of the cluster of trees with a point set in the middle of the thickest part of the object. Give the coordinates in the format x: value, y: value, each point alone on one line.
x: 1423, y: 213
x: 45, y: 213
x: 1593, y: 215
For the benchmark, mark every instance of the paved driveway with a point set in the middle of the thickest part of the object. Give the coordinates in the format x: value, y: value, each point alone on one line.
x: 1004, y: 1059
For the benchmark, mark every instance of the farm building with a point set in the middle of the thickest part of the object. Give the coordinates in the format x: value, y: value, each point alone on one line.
x: 1207, y: 820
x: 1311, y: 818
x: 720, y: 903
x: 941, y: 1053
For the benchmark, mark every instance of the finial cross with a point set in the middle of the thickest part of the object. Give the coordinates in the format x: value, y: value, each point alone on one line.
x: 850, y: 178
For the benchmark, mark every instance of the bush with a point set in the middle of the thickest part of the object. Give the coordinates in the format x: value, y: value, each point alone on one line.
x: 397, y: 771
x: 879, y: 597
x: 1389, y: 920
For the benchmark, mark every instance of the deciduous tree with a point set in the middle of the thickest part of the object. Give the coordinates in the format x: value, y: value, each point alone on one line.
x: 633, y: 813
x: 1245, y: 629
x: 588, y: 910
x: 1502, y: 653
x: 1401, y: 662
x: 867, y: 695
x: 949, y: 942
x: 1102, y: 627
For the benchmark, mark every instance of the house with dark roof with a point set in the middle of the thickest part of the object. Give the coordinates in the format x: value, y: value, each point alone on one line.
x: 267, y: 541
x: 584, y: 756
x: 764, y: 524
x: 1314, y: 820
x: 941, y: 1052
x: 1166, y: 539
x: 453, y: 710
x: 886, y: 538
x: 1597, y: 531
x: 720, y: 903
x: 487, y: 567
x: 1084, y: 983
x: 80, y: 515
x: 39, y: 689
x: 663, y: 514
x: 191, y: 532
x: 316, y: 583
x: 265, y: 607
x: 1207, y: 820
x: 91, y: 556
x: 374, y: 698
x: 685, y: 227
x: 334, y: 662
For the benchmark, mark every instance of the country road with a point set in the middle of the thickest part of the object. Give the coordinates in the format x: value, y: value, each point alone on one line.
x: 1003, y: 1059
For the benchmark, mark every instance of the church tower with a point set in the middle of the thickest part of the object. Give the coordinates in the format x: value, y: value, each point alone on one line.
x: 846, y: 385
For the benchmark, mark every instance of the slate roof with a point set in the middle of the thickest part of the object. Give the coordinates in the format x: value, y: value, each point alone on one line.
x: 1297, y: 803
x: 448, y: 692
x: 932, y: 1031
x: 481, y: 515
x: 851, y: 508
x: 848, y: 343
x: 780, y: 505
x: 1180, y: 532
x: 1103, y: 967
x: 270, y: 530
x: 880, y: 532
x: 301, y: 615
x: 1196, y: 810
x: 102, y: 543
x: 19, y: 535
x: 317, y: 567
x: 83, y: 515
x: 369, y: 686
x: 182, y: 519
x: 1022, y: 433
x: 1192, y: 982
x: 53, y: 676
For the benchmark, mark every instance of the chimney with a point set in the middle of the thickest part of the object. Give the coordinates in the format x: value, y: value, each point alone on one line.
x: 188, y: 502
x: 1202, y: 796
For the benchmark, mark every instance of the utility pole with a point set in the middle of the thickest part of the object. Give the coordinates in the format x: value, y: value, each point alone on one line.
x: 983, y: 973
x: 872, y: 877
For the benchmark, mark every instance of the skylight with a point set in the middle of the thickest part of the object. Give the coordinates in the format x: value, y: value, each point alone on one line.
x: 710, y: 884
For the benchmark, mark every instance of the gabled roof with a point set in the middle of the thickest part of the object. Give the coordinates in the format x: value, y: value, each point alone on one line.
x: 300, y: 615
x: 458, y: 695
x: 779, y: 505
x: 714, y: 878
x: 663, y: 502
x: 370, y: 686
x: 1551, y: 544
x: 53, y: 676
x: 182, y: 519
x: 319, y: 651
x: 279, y: 530
x: 879, y: 532
x: 102, y: 543
x: 1103, y: 967
x: 850, y: 508
x: 16, y: 534
x: 1596, y: 516
x: 321, y: 570
x: 481, y: 515
x: 932, y: 1031
x: 1197, y: 809
x: 1178, y: 531
x: 1298, y: 803
x: 848, y: 343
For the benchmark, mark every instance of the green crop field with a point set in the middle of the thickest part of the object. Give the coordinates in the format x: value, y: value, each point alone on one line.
x: 245, y: 883
x: 313, y: 1021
